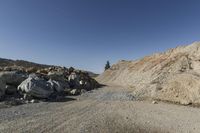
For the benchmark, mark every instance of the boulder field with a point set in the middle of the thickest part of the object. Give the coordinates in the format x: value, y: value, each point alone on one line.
x: 172, y: 76
x: 45, y: 83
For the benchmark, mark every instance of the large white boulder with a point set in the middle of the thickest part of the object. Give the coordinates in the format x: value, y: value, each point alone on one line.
x: 36, y: 87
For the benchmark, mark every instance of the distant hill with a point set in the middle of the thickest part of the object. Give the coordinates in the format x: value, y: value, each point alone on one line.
x: 21, y: 63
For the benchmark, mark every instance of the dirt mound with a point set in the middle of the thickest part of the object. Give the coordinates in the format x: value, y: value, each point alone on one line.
x: 172, y: 76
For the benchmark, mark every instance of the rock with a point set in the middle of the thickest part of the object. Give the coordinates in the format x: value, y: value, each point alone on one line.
x: 2, y: 89
x: 56, y: 86
x: 59, y: 79
x: 73, y: 76
x: 154, y: 102
x: 27, y: 97
x: 9, y: 80
x: 31, y: 70
x: 74, y: 81
x: 81, y: 82
x: 10, y: 90
x: 50, y: 68
x: 43, y: 82
x: 67, y: 90
x: 12, y: 77
x: 32, y: 101
x: 14, y: 102
x: 42, y: 71
x: 91, y: 84
x: 71, y: 69
x: 83, y: 91
x: 36, y: 87
x: 75, y: 92
x: 7, y: 69
x: 33, y: 75
x: 57, y: 76
x: 185, y: 102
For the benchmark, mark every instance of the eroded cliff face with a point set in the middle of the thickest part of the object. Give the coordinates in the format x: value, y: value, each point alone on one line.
x: 173, y: 75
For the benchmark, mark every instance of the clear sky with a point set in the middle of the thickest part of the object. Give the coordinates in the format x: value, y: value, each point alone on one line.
x: 87, y: 33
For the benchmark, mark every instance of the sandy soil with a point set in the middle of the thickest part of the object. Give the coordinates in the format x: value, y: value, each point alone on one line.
x: 106, y: 110
x: 173, y: 75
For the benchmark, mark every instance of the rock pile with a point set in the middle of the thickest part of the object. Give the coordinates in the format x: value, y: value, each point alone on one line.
x: 45, y: 83
x: 9, y: 81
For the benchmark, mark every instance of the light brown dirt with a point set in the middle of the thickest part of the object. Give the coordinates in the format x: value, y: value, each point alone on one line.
x: 173, y: 75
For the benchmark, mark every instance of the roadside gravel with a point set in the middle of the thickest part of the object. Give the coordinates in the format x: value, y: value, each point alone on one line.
x: 109, y: 109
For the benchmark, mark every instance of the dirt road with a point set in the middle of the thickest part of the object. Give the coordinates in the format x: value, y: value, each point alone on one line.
x: 106, y: 110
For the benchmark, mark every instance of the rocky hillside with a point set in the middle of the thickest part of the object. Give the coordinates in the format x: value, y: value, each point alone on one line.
x: 171, y: 76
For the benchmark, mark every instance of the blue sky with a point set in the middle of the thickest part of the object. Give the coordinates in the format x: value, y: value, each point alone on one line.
x: 87, y: 33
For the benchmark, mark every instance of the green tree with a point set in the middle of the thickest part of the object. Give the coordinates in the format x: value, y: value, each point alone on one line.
x: 107, y: 66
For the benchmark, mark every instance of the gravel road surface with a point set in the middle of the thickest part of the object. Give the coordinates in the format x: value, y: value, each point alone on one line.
x: 106, y: 110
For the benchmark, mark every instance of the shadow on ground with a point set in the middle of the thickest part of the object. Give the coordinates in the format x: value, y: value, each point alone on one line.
x: 66, y: 99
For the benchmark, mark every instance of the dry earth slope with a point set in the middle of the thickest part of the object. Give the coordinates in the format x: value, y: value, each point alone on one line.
x: 172, y: 76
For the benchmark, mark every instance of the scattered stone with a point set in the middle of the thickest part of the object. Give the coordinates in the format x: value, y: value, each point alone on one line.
x: 31, y: 70
x: 7, y: 69
x: 83, y: 91
x: 67, y: 90
x: 32, y: 101
x: 154, y: 102
x: 42, y: 71
x: 75, y: 92
x: 185, y: 102
x: 13, y: 102
x: 73, y: 76
x: 56, y: 76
